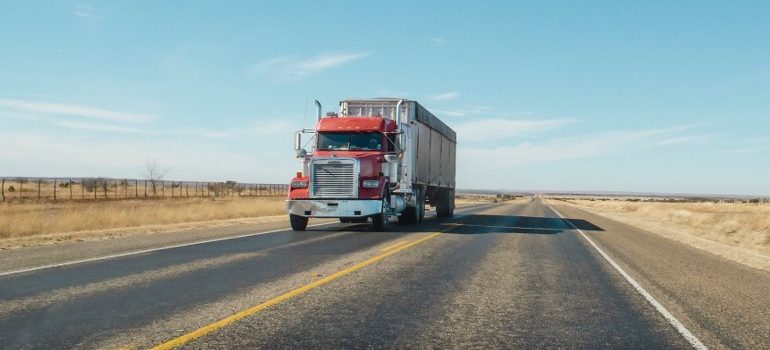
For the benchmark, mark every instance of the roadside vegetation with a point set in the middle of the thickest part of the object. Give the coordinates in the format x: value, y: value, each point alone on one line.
x: 30, y: 218
x: 742, y: 225
x: 484, y: 198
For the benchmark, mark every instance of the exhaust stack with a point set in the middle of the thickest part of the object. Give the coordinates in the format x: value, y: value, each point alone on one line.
x: 398, y: 114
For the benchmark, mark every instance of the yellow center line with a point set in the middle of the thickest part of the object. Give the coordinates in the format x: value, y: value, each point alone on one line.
x: 212, y: 327
x: 393, y: 246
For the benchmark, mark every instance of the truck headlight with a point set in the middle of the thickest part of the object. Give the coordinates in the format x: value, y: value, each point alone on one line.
x: 299, y: 184
x: 370, y: 183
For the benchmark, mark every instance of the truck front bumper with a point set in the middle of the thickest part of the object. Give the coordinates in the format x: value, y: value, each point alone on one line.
x: 334, y: 208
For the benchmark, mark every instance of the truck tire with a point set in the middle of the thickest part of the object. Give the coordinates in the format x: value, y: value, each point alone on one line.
x: 298, y: 223
x: 408, y: 216
x: 420, y: 205
x: 444, y: 203
x: 414, y: 214
x: 380, y: 220
x: 344, y: 220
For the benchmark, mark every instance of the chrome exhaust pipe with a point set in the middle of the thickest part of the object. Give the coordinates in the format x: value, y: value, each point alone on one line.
x: 318, y: 109
x: 398, y: 114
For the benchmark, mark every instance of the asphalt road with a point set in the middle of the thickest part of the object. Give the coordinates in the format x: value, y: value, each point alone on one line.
x: 511, y: 275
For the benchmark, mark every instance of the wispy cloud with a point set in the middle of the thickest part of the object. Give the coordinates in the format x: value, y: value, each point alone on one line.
x: 71, y: 124
x: 461, y: 112
x: 446, y: 96
x: 676, y: 140
x: 437, y: 40
x: 749, y: 150
x: 571, y: 147
x: 496, y: 129
x: 296, y: 66
x: 86, y: 11
x: 100, y: 127
x: 276, y: 127
x: 73, y: 110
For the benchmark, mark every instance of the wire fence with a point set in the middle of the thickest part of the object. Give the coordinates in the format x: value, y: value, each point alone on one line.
x: 81, y: 189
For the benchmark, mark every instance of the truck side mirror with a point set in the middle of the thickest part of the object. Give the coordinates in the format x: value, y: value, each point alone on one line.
x: 301, y: 153
x: 298, y: 142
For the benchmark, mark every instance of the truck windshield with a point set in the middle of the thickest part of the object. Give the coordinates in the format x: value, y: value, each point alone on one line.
x: 350, y: 141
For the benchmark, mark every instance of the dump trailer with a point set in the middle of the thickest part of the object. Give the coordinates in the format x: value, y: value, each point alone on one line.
x: 374, y: 159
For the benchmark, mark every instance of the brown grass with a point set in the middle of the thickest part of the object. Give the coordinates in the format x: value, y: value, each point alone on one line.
x: 746, y: 226
x: 480, y: 198
x: 22, y: 219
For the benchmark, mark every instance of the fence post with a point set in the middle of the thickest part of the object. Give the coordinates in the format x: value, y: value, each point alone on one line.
x: 54, y: 189
x: 82, y: 189
x: 69, y: 181
x: 163, y: 189
x: 2, y: 190
x: 145, y: 188
x: 136, y: 188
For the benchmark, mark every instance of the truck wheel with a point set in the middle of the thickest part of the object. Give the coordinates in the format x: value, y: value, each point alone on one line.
x: 411, y: 215
x: 420, y: 205
x: 407, y: 216
x: 443, y: 204
x: 298, y: 223
x: 344, y: 220
x: 380, y: 220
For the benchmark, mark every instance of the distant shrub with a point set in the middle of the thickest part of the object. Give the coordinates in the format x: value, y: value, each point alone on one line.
x: 11, y: 189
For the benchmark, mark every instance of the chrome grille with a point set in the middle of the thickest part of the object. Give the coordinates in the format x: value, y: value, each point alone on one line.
x: 334, y: 179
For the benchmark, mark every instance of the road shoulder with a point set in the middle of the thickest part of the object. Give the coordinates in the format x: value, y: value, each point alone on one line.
x: 722, y: 302
x: 732, y: 253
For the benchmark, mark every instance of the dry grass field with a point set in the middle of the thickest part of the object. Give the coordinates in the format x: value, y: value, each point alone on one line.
x: 29, y: 218
x: 470, y: 198
x: 17, y: 189
x: 744, y: 226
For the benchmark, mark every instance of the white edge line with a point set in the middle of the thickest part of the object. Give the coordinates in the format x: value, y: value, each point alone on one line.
x: 691, y: 338
x: 150, y: 250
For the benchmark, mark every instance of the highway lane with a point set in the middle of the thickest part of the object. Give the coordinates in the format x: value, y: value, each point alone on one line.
x: 84, y: 304
x: 514, y: 277
x: 509, y: 275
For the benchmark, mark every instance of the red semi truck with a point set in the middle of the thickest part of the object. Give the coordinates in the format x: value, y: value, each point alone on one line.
x: 375, y: 159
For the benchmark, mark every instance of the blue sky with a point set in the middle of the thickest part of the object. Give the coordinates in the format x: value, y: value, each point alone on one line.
x: 548, y: 95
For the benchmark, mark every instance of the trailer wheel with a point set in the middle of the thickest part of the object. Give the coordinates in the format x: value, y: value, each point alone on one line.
x: 444, y: 203
x: 298, y: 223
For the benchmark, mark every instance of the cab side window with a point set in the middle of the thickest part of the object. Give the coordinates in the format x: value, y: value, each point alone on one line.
x: 392, y: 143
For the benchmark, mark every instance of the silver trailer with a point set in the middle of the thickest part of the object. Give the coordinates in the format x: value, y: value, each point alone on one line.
x: 426, y: 171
